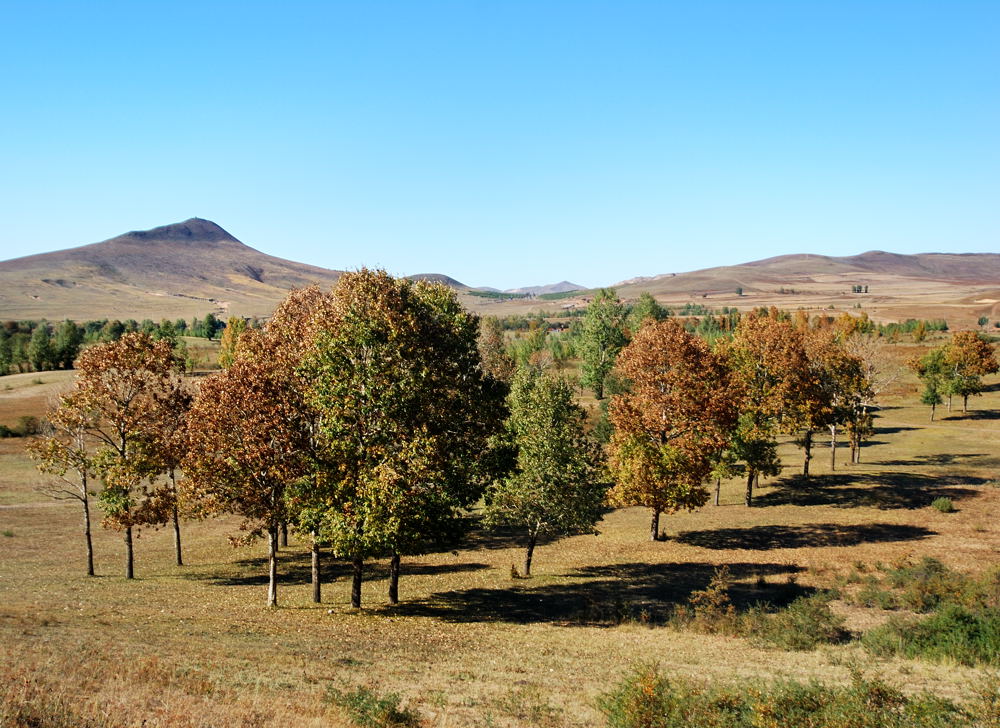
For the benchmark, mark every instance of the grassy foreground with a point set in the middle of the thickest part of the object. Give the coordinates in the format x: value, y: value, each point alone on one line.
x: 469, y: 645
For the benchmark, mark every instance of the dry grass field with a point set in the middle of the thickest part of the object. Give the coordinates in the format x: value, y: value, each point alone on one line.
x: 469, y: 645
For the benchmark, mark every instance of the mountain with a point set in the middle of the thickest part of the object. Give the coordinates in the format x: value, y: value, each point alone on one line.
x: 439, y: 278
x: 561, y: 287
x: 186, y: 269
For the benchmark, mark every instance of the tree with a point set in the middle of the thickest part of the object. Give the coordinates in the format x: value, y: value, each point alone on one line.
x: 555, y: 487
x: 40, y: 353
x: 601, y: 339
x: 67, y: 343
x: 644, y: 309
x: 115, y: 394
x: 672, y: 421
x: 770, y: 365
x: 496, y: 362
x: 246, y: 445
x: 405, y: 413
x: 65, y: 452
x: 932, y: 368
x: 6, y: 354
x: 969, y: 357
x: 230, y: 336
x: 879, y: 370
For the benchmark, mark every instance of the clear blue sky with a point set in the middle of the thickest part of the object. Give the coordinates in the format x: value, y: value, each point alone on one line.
x: 506, y: 143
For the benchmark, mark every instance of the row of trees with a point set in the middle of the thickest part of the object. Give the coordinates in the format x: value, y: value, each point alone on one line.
x: 30, y: 345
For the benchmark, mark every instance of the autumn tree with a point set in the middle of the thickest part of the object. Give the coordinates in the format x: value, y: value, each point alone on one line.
x: 879, y: 370
x: 65, y: 452
x: 601, y: 338
x: 554, y: 488
x: 115, y: 395
x: 405, y: 413
x: 246, y: 445
x: 235, y: 326
x: 770, y: 365
x: 671, y: 422
x: 968, y: 357
x: 496, y: 362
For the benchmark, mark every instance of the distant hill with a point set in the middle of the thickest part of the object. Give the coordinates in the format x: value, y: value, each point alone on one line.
x: 186, y: 269
x: 561, y: 287
x: 439, y: 278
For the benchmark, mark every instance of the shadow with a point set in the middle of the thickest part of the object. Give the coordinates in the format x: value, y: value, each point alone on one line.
x: 975, y: 415
x: 941, y: 459
x: 885, y: 491
x: 813, y: 535
x: 995, y: 387
x: 612, y: 594
x: 297, y: 569
x: 890, y: 430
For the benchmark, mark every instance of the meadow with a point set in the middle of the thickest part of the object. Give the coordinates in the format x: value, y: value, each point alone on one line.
x: 469, y: 645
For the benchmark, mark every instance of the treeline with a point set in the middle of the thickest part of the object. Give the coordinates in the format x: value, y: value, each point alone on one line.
x: 36, y: 346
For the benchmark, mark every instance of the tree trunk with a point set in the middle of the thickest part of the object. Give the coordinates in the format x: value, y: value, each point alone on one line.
x: 807, y: 441
x: 654, y: 526
x: 359, y: 567
x: 949, y: 403
x: 599, y: 390
x: 932, y: 412
x: 176, y: 519
x: 965, y: 403
x: 751, y: 475
x: 315, y: 568
x: 833, y: 447
x: 272, y: 566
x: 394, y: 579
x: 718, y: 489
x: 86, y: 532
x: 284, y: 534
x: 129, y: 558
x: 532, y: 540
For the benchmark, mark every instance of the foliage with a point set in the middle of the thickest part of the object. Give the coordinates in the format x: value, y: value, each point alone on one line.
x: 673, y: 418
x: 954, y: 633
x: 235, y: 326
x: 943, y: 504
x: 554, y: 488
x: 646, y: 307
x: 496, y: 362
x: 804, y: 624
x: 368, y: 709
x: 601, y: 338
x: 646, y: 698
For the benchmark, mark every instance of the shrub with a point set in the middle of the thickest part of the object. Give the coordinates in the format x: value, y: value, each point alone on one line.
x: 647, y: 699
x: 955, y: 633
x: 6, y: 432
x: 803, y: 625
x: 368, y: 709
x: 943, y: 504
x: 28, y: 425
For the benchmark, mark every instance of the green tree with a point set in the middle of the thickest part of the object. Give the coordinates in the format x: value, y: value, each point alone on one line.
x: 235, y: 326
x: 555, y: 488
x: 6, y: 353
x: 66, y: 345
x: 404, y: 413
x: 645, y: 308
x: 40, y: 351
x: 933, y: 370
x: 601, y: 338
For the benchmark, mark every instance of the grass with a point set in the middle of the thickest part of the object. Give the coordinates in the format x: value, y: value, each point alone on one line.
x: 468, y: 644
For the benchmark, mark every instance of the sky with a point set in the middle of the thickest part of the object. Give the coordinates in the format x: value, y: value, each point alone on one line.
x: 503, y: 142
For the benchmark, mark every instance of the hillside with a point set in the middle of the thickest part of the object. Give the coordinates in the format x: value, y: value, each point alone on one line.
x: 185, y: 269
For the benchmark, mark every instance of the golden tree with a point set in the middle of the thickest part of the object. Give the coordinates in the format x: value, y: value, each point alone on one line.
x: 675, y: 416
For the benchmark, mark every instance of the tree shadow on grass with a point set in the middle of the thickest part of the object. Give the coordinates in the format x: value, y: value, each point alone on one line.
x: 889, y: 430
x: 885, y: 491
x: 296, y: 568
x: 811, y: 535
x: 611, y: 594
x: 975, y: 415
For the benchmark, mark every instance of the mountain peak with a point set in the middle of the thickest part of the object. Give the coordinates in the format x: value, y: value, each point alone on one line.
x: 193, y: 230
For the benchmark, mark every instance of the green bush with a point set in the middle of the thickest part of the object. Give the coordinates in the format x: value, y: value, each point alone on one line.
x: 647, y: 699
x: 943, y: 504
x: 368, y: 709
x: 805, y: 624
x: 953, y: 634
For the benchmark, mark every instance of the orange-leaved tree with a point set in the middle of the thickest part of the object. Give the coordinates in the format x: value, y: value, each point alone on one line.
x: 969, y: 357
x: 674, y: 418
x: 116, y: 395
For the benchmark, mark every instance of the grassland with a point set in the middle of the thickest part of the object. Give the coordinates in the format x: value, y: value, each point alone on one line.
x: 469, y: 645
